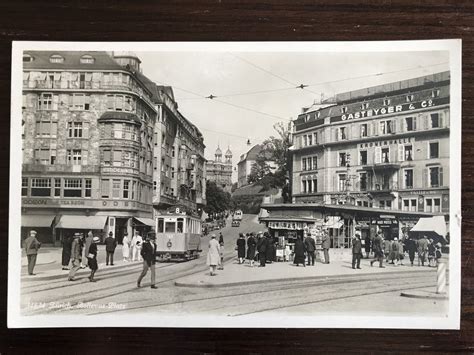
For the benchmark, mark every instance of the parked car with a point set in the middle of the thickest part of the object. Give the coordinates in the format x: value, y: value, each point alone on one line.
x: 235, y: 223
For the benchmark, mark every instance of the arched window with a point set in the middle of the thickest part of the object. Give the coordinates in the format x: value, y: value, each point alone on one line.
x: 56, y: 58
x: 87, y: 59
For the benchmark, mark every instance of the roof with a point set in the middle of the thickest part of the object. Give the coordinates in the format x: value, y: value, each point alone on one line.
x: 102, y: 60
x: 119, y: 116
x: 254, y: 152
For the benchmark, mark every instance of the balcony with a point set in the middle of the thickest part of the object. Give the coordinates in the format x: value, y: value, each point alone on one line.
x: 382, y: 188
x: 382, y: 166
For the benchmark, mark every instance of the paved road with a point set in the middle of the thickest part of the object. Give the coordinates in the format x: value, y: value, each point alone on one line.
x: 116, y: 292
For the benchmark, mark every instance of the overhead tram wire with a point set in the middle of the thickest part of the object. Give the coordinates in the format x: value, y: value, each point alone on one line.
x: 309, y: 85
x: 301, y: 86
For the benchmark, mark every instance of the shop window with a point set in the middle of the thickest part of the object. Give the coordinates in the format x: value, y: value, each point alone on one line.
x: 434, y: 150
x: 72, y: 187
x: 88, y: 188
x: 24, y: 187
x: 105, y: 188
x: 408, y: 178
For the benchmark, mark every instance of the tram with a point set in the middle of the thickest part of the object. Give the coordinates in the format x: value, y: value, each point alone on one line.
x: 178, y: 235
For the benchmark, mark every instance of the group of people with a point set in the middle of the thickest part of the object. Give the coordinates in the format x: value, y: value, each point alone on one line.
x: 131, y: 248
x: 393, y: 251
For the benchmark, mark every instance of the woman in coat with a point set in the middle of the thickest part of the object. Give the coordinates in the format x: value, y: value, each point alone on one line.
x: 92, y: 258
x: 299, y: 252
x: 241, y: 248
x: 213, y: 255
x: 126, y: 248
x: 367, y: 246
x: 251, y: 245
x: 66, y: 255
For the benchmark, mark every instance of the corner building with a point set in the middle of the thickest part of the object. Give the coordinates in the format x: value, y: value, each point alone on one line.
x: 381, y: 149
x: 89, y: 134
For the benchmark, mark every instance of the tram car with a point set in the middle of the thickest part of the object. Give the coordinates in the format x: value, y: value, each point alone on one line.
x: 178, y: 235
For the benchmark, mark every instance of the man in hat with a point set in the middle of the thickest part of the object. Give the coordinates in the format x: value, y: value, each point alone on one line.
x: 92, y: 258
x: 85, y: 250
x: 356, y: 251
x: 378, y: 250
x: 110, y: 245
x: 148, y: 252
x: 31, y: 247
x: 76, y: 254
x: 326, y: 244
x: 310, y: 248
x: 262, y: 249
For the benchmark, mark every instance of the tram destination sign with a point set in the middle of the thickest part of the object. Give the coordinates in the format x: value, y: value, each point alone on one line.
x: 388, y: 110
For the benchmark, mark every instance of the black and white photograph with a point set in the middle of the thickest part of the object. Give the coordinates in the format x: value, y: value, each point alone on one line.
x: 235, y: 184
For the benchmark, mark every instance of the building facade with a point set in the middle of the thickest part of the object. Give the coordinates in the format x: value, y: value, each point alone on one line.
x: 247, y: 160
x: 220, y: 171
x: 90, y: 136
x: 384, y: 147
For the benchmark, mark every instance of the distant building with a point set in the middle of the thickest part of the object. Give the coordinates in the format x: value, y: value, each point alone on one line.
x: 247, y: 160
x: 94, y: 156
x: 220, y: 171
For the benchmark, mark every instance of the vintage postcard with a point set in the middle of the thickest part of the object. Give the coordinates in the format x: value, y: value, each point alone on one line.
x: 257, y: 184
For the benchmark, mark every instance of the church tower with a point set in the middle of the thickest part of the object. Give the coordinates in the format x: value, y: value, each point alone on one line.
x: 218, y: 154
x: 228, y: 156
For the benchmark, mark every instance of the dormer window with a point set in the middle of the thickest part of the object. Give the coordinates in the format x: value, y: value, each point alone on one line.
x: 344, y: 109
x: 364, y: 106
x: 27, y: 58
x: 306, y: 118
x: 318, y: 114
x: 386, y: 102
x: 87, y: 59
x: 56, y: 58
x: 410, y: 98
x: 435, y: 93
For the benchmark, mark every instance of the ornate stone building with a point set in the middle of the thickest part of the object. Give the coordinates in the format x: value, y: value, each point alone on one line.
x: 220, y: 171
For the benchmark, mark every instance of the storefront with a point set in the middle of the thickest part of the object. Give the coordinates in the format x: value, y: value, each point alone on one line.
x: 42, y: 224
x: 70, y: 224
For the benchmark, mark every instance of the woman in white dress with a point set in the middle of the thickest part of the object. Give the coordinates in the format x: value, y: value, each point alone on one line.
x: 213, y: 256
x: 126, y: 248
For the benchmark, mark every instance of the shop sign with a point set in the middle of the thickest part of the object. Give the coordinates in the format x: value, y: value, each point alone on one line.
x: 390, y: 109
x: 288, y: 225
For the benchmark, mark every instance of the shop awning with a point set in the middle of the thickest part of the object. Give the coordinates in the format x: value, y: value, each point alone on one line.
x: 333, y: 222
x: 146, y: 221
x: 82, y: 222
x: 435, y: 224
x: 263, y: 213
x: 39, y: 221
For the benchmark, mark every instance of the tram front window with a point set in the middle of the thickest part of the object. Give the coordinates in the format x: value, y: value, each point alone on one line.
x: 180, y: 225
x: 170, y: 227
x: 160, y: 225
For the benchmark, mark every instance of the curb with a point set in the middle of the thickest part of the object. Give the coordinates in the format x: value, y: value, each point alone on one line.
x: 430, y: 296
x: 41, y: 263
x: 287, y: 279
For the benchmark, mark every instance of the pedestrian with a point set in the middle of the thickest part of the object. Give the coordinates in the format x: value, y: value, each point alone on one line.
x: 431, y: 253
x: 241, y: 248
x: 299, y: 251
x: 221, y: 239
x: 221, y: 255
x: 271, y: 249
x: 377, y: 246
x: 262, y: 249
x: 76, y: 253
x: 92, y: 258
x: 393, y: 255
x: 326, y: 244
x: 148, y: 252
x: 251, y: 245
x: 66, y: 254
x: 85, y: 249
x: 137, y: 241
x: 410, y: 246
x: 356, y: 251
x: 126, y: 248
x: 213, y: 255
x: 401, y: 252
x: 110, y: 245
x: 32, y: 246
x: 310, y: 246
x: 422, y: 249
x: 386, y: 249
x: 367, y: 245
x: 438, y: 254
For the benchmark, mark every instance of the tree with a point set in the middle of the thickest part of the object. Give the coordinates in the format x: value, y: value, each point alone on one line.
x: 276, y: 148
x: 217, y: 200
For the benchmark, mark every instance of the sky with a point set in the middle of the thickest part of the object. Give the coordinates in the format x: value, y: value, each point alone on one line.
x: 243, y: 82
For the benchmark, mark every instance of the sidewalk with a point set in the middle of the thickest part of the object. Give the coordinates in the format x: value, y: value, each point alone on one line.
x: 235, y: 274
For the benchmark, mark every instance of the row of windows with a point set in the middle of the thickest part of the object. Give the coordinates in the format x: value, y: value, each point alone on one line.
x: 309, y: 163
x: 56, y: 58
x: 47, y: 156
x: 385, y: 127
x: 120, y: 131
x: 56, y: 187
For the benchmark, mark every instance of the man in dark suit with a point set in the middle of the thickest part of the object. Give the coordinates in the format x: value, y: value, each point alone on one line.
x: 148, y: 253
x: 378, y: 250
x: 262, y: 249
x: 110, y: 245
x: 356, y: 251
x: 31, y: 248
x: 310, y: 248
